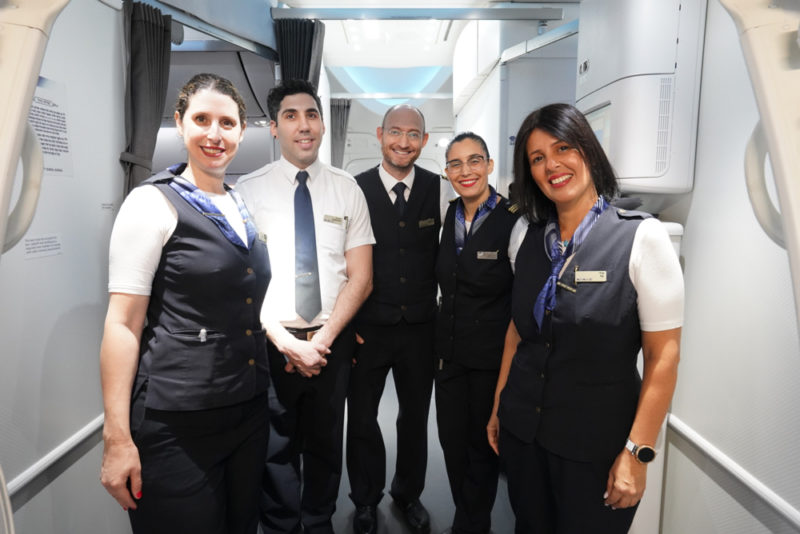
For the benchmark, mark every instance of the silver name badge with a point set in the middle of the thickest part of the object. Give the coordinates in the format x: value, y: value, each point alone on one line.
x: 262, y: 237
x: 333, y: 219
x: 590, y: 276
x: 487, y: 254
x: 426, y: 222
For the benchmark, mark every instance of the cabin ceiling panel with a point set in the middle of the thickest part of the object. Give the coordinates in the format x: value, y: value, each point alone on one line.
x: 249, y: 19
x: 252, y: 75
x: 365, y: 41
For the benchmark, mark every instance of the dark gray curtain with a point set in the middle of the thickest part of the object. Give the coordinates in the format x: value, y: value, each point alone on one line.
x: 300, y: 48
x: 147, y: 44
x: 340, y: 113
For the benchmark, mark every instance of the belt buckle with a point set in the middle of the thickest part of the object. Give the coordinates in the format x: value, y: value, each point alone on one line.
x: 304, y: 334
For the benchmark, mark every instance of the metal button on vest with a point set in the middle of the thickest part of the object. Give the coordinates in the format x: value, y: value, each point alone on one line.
x: 402, y: 279
x: 402, y: 224
x: 538, y: 409
x: 541, y: 375
x: 402, y: 251
x: 403, y: 307
x: 248, y: 332
x: 248, y: 300
x: 249, y: 270
x: 251, y: 361
x: 547, y: 345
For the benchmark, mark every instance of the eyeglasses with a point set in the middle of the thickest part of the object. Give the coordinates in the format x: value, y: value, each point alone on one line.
x: 474, y: 162
x: 397, y: 134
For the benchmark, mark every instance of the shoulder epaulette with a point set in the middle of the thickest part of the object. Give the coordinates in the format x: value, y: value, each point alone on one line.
x: 632, y: 214
x: 513, y: 208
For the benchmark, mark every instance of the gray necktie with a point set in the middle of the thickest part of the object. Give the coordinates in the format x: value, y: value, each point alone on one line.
x: 307, y: 299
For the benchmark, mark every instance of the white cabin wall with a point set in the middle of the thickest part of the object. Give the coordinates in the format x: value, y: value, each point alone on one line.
x: 324, y: 91
x: 480, y: 115
x: 737, y: 383
x: 491, y: 98
x: 53, y: 307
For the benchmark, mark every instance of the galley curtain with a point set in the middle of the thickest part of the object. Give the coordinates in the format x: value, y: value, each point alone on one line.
x: 340, y: 113
x: 147, y: 45
x: 300, y: 48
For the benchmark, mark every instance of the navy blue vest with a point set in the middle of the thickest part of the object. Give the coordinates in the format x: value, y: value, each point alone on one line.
x: 476, y: 291
x: 574, y: 386
x: 404, y: 255
x: 203, y: 345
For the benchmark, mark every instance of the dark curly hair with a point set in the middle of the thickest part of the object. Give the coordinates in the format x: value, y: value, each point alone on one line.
x: 288, y: 88
x: 212, y: 82
x: 566, y: 123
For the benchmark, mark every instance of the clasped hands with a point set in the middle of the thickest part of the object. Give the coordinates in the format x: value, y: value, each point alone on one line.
x: 306, y: 357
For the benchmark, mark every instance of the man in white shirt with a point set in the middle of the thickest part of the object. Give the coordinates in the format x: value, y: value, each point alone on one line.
x: 308, y: 308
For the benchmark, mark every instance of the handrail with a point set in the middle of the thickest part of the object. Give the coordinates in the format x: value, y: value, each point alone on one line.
x: 768, y: 35
x: 767, y: 215
x: 6, y: 515
x: 25, y: 27
x: 33, y: 167
x: 701, y: 445
x: 35, y: 478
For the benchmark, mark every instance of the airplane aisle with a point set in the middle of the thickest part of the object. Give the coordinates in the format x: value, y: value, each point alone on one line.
x: 436, y: 496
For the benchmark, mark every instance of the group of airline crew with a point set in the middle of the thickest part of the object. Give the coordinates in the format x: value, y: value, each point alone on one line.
x: 242, y: 320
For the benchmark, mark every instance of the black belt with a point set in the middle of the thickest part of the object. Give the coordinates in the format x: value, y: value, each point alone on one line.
x: 305, y: 333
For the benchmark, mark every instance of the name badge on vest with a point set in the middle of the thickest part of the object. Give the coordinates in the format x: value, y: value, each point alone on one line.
x: 262, y: 237
x: 487, y: 254
x: 333, y: 219
x: 590, y: 276
x: 424, y: 223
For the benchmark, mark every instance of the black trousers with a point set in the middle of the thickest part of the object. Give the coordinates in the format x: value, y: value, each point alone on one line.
x: 304, y: 457
x: 464, y: 399
x: 201, y: 470
x: 407, y: 350
x: 552, y: 495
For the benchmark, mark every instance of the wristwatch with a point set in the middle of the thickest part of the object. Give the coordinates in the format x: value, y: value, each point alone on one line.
x: 642, y: 453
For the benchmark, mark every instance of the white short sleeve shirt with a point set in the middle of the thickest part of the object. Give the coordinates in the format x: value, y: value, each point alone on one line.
x: 341, y: 222
x: 653, y: 268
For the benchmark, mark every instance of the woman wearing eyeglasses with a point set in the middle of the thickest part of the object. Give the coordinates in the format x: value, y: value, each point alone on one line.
x: 475, y: 279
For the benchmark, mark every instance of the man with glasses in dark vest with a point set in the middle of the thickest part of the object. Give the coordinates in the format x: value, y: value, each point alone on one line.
x: 395, y: 326
x: 320, y: 245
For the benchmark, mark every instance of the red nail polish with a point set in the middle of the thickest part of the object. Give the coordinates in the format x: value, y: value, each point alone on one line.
x: 139, y: 495
x: 124, y: 508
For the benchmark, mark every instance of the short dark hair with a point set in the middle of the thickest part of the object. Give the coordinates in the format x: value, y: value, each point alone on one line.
x: 566, y: 123
x: 287, y: 88
x: 467, y: 135
x: 403, y: 106
x: 212, y: 82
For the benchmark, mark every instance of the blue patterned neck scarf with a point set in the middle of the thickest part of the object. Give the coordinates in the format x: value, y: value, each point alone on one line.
x: 483, y: 210
x: 546, y: 300
x: 202, y: 203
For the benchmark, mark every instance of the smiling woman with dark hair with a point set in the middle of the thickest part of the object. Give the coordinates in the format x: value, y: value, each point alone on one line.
x: 573, y: 421
x: 183, y: 360
x: 474, y: 275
